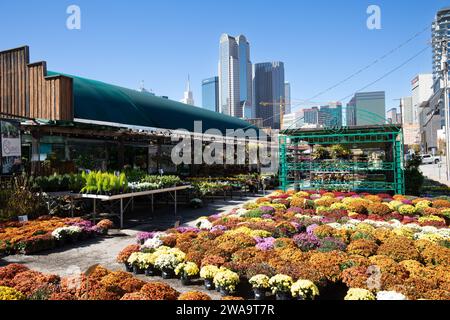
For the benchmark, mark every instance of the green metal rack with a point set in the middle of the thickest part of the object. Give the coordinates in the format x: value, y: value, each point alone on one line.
x: 352, y: 175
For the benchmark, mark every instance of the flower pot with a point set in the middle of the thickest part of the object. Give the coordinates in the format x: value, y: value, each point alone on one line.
x: 150, y: 271
x: 167, y: 274
x: 225, y: 292
x: 283, y: 296
x: 128, y: 267
x: 260, y: 294
x: 186, y: 281
x: 209, y: 284
x: 137, y: 270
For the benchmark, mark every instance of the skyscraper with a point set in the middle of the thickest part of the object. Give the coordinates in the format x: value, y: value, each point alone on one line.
x: 235, y: 75
x: 268, y: 84
x: 407, y: 110
x: 330, y: 115
x: 188, y: 96
x: 287, y: 97
x: 440, y: 29
x: 392, y: 116
x: 311, y: 115
x: 210, y: 94
x: 366, y: 108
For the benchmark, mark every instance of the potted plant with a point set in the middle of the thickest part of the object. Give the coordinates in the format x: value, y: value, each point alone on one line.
x: 304, y: 290
x: 186, y: 271
x: 147, y: 263
x: 134, y: 261
x: 125, y: 254
x: 167, y: 262
x: 207, y: 273
x: 226, y: 280
x: 281, y: 286
x: 260, y: 284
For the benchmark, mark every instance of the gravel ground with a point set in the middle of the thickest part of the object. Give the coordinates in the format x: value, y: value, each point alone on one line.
x: 103, y: 251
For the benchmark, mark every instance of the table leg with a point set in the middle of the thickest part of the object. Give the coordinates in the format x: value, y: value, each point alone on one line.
x: 121, y: 213
x: 95, y: 209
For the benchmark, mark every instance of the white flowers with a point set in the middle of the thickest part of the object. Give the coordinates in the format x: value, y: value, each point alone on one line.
x: 203, y: 223
x: 63, y: 232
x: 152, y: 243
x: 390, y: 295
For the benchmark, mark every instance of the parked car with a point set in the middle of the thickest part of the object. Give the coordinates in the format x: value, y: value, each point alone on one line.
x: 430, y: 159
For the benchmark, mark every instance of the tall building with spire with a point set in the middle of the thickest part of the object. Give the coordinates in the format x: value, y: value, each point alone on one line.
x: 235, y: 75
x: 188, y: 95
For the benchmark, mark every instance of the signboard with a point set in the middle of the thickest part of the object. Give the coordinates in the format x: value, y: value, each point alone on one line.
x: 10, y: 147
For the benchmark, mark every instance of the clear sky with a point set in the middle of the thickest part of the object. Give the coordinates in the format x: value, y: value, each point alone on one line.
x: 320, y: 41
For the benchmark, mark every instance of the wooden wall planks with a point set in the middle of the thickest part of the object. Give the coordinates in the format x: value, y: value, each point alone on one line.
x: 27, y: 91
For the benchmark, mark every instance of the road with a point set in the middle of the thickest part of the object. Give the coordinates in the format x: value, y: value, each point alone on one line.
x: 435, y: 172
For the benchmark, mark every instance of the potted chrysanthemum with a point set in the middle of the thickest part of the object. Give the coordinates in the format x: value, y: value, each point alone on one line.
x: 186, y: 271
x: 226, y: 280
x: 281, y: 286
x: 304, y: 290
x: 260, y: 284
x: 167, y: 262
x: 207, y: 273
x: 134, y: 261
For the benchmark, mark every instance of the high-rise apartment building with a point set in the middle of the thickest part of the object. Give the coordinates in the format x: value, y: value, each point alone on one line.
x: 366, y: 108
x: 210, y: 94
x: 235, y: 75
x: 269, y: 87
x: 287, y: 98
x: 330, y: 115
x: 440, y: 29
x: 311, y: 115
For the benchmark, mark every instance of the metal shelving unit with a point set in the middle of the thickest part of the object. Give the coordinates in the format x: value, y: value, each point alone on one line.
x: 301, y: 173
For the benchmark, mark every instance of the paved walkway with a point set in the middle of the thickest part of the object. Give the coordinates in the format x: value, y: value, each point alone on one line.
x: 435, y: 172
x: 103, y: 251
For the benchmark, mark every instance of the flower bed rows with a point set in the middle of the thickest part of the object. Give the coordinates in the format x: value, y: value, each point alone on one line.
x: 312, y: 245
x: 46, y: 233
x: 17, y: 282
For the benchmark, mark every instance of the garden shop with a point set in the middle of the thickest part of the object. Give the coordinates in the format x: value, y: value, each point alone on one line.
x: 69, y: 123
x: 368, y: 159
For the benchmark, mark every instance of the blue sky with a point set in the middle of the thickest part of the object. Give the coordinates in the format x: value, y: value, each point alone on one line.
x: 320, y: 41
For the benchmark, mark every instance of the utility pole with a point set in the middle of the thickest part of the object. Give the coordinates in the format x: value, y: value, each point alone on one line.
x: 444, y: 70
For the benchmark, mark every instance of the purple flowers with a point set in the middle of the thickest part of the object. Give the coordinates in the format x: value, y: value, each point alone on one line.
x: 310, y: 228
x: 264, y: 244
x: 267, y: 210
x: 295, y: 210
x: 331, y: 244
x: 306, y: 241
x: 218, y: 227
x: 142, y: 236
x: 187, y: 229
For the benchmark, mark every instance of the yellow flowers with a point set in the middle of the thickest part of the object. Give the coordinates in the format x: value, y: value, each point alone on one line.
x: 359, y: 294
x: 226, y: 279
x: 249, y: 232
x: 260, y: 281
x: 423, y: 204
x: 407, y: 210
x: 431, y: 219
x: 304, y: 289
x: 395, y: 204
x: 280, y: 283
x: 7, y: 293
x: 188, y: 269
x: 209, y: 272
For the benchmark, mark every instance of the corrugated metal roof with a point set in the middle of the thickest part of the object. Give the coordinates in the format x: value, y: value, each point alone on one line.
x: 99, y: 101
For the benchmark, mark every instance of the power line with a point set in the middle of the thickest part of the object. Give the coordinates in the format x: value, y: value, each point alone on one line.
x: 369, y: 65
x: 378, y: 79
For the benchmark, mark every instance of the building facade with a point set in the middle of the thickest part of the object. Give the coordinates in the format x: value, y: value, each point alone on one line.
x: 235, y: 75
x: 330, y: 115
x: 392, y: 116
x: 311, y: 115
x: 366, y: 108
x: 440, y: 28
x: 287, y: 98
x: 210, y: 94
x: 269, y: 87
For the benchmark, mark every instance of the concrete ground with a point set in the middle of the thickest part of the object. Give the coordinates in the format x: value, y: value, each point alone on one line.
x: 103, y: 251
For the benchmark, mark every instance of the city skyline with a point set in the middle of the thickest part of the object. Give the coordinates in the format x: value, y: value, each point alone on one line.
x: 164, y: 71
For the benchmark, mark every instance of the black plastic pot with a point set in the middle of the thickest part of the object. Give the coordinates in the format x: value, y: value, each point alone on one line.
x: 284, y: 296
x: 260, y: 294
x: 128, y: 267
x: 224, y: 292
x: 167, y: 274
x: 137, y: 270
x: 150, y: 271
x: 209, y: 284
x: 186, y: 281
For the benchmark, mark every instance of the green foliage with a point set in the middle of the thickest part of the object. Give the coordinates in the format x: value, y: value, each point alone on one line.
x: 321, y: 153
x: 414, y: 179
